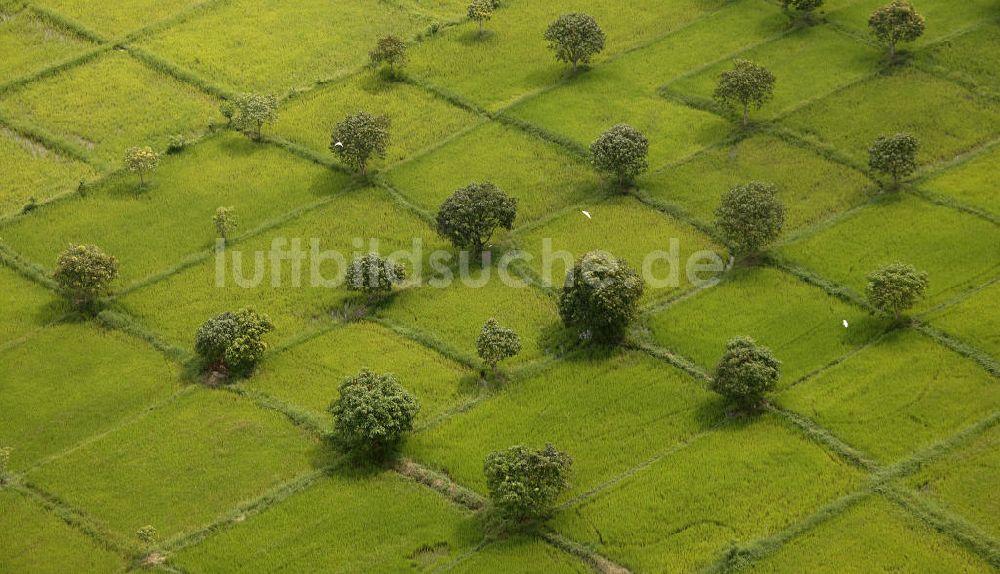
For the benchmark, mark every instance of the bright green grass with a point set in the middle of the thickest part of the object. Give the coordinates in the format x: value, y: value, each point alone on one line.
x: 745, y: 481
x: 443, y: 10
x: 512, y: 59
x: 154, y: 228
x: 947, y: 118
x: 574, y: 234
x: 183, y: 465
x: 610, y: 412
x: 309, y: 374
x: 800, y: 323
x: 419, y: 120
x: 314, y: 40
x: 957, y: 250
x: 969, y: 57
x: 37, y: 542
x: 899, y: 396
x: 25, y: 306
x: 177, y: 305
x: 29, y: 44
x: 542, y: 176
x: 965, y: 481
x: 72, y: 381
x: 521, y: 554
x: 807, y: 64
x: 972, y: 182
x: 115, y: 19
x: 112, y: 103
x: 28, y: 169
x: 872, y: 536
x: 975, y: 320
x: 811, y: 187
x: 944, y: 17
x: 344, y: 523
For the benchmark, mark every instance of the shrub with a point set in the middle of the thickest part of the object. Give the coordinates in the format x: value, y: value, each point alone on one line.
x: 176, y: 143
x: 895, y: 288
x: 225, y: 222
x: 621, y: 151
x: 473, y: 213
x: 140, y: 160
x: 30, y: 206
x: 228, y: 111
x: 575, y: 38
x: 894, y: 23
x: 147, y: 535
x: 389, y: 50
x: 496, y: 343
x: 372, y: 413
x: 5, y: 463
x: 374, y: 275
x: 233, y: 341
x: 803, y: 7
x: 600, y: 297
x: 481, y: 11
x: 746, y: 373
x: 750, y: 217
x: 358, y: 137
x: 894, y: 155
x: 84, y: 273
x: 747, y: 84
x: 252, y: 111
x: 524, y: 483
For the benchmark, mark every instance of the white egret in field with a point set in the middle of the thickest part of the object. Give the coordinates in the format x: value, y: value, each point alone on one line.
x: 845, y: 323
x: 587, y: 213
x: 339, y: 144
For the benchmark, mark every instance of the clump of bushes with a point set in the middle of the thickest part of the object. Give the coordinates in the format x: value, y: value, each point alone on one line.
x: 621, y: 151
x: 372, y: 414
x: 524, y: 483
x: 374, y: 276
x: 496, y: 343
x: 600, y: 297
x: 750, y: 217
x: 233, y: 342
x: 225, y: 222
x: 84, y: 273
x: 746, y: 373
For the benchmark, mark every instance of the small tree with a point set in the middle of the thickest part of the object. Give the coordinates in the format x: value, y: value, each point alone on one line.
x: 473, y: 213
x: 225, y: 222
x: 523, y: 482
x: 374, y: 276
x: 233, y: 341
x: 140, y: 160
x: 372, y: 413
x: 575, y: 38
x: 5, y: 464
x: 805, y: 8
x: 600, y: 296
x: 622, y: 152
x: 360, y: 136
x: 496, y: 343
x: 747, y: 84
x: 481, y: 11
x: 85, y: 273
x: 147, y: 535
x: 746, y: 373
x: 894, y: 155
x: 389, y: 50
x: 895, y: 288
x: 750, y: 217
x: 252, y: 111
x: 894, y: 23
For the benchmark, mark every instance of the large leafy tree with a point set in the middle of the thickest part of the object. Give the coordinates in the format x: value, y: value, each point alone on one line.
x: 746, y: 372
x: 895, y: 288
x: 496, y: 343
x: 621, y: 151
x: 575, y: 38
x: 894, y: 23
x: 360, y: 136
x: 746, y: 85
x: 750, y: 217
x: 895, y: 156
x: 473, y: 213
x: 84, y: 273
x: 600, y: 297
x: 523, y: 482
x: 233, y: 342
x: 372, y: 413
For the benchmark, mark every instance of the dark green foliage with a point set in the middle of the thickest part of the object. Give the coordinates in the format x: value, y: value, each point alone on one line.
x: 360, y: 136
x: 895, y: 288
x: 374, y: 275
x: 894, y: 155
x: 389, y: 50
x: 524, y: 483
x: 894, y: 23
x: 496, y: 343
x: 575, y: 38
x: 746, y: 373
x: 747, y: 84
x: 372, y: 413
x: 750, y: 217
x: 473, y: 213
x: 804, y: 7
x: 600, y: 297
x: 252, y: 111
x: 622, y: 152
x: 84, y: 273
x: 233, y: 341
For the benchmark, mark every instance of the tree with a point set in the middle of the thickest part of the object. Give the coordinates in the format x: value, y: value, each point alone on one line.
x: 147, y: 535
x: 84, y: 273
x: 621, y: 151
x: 895, y: 288
x: 252, y: 111
x: 481, y: 11
x: 389, y: 50
x: 600, y: 296
x: 894, y: 155
x: 576, y: 38
x: 374, y: 275
x: 747, y: 84
x: 372, y: 413
x: 894, y: 23
x: 140, y: 160
x: 473, y: 213
x: 804, y: 7
x: 360, y: 136
x: 750, y: 217
x: 5, y: 463
x: 745, y: 373
x: 496, y: 343
x: 225, y: 222
x: 233, y: 341
x: 523, y: 482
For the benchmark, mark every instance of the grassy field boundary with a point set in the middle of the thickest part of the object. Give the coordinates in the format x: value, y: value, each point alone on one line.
x: 180, y: 17
x: 53, y: 142
x: 127, y: 324
x: 428, y: 341
x: 26, y: 269
x: 944, y: 339
x: 67, y: 23
x: 178, y: 73
x: 671, y: 358
x: 916, y: 462
x: 456, y: 493
x: 54, y: 69
x: 825, y: 438
x: 299, y: 417
x: 599, y: 563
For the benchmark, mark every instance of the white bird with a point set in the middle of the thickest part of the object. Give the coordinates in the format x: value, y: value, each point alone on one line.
x: 845, y: 323
x: 587, y: 213
x: 339, y: 144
